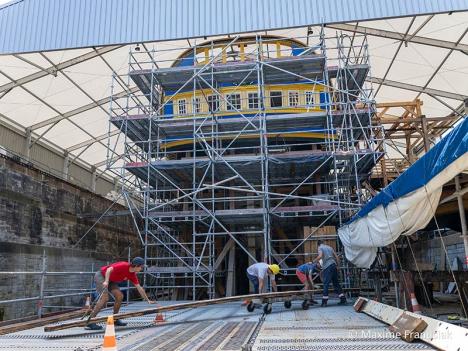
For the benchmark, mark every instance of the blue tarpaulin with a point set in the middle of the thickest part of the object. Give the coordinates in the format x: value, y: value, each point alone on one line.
x: 451, y: 147
x: 409, y: 203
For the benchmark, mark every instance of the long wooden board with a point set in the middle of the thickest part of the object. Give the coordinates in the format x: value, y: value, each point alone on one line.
x: 12, y: 328
x: 181, y: 306
x: 192, y: 304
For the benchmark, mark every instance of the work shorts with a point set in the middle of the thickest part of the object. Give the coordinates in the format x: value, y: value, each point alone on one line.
x: 99, y: 279
x: 302, y: 277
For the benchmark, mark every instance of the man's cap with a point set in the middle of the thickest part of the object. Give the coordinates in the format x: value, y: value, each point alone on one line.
x: 138, y: 261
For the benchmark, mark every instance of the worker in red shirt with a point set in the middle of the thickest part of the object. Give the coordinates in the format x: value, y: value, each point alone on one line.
x: 107, y: 279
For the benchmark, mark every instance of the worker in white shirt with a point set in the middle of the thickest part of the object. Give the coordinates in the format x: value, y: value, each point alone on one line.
x: 257, y: 274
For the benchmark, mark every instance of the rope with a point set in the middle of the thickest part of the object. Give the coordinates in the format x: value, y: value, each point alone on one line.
x: 419, y: 273
x: 98, y: 220
x: 414, y: 258
x: 401, y: 265
x: 396, y: 252
x: 378, y: 256
x: 446, y: 253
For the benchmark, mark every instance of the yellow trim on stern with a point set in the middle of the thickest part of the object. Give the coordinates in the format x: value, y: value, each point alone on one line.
x: 311, y: 135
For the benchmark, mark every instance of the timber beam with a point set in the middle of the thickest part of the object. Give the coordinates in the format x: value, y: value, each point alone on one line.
x: 441, y: 335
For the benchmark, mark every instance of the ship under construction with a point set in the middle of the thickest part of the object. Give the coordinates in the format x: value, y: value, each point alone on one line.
x: 244, y: 149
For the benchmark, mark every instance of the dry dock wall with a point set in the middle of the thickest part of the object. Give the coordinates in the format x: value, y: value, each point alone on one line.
x: 40, y: 214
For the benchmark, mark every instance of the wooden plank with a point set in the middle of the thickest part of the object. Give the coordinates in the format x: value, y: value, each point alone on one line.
x: 223, y: 253
x: 441, y: 335
x: 231, y: 276
x: 408, y: 327
x: 359, y: 304
x: 399, y: 103
x: 181, y: 306
x: 324, y: 233
x: 12, y: 328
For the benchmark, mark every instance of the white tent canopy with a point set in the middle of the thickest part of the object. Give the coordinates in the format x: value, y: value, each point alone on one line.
x: 62, y: 97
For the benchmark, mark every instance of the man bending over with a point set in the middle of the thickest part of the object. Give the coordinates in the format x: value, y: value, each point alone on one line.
x: 107, y: 279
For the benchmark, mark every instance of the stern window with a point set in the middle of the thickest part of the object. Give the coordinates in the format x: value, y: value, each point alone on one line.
x: 196, y: 105
x: 253, y: 100
x: 309, y: 96
x: 233, y: 102
x: 293, y: 98
x: 276, y: 99
x: 213, y: 103
x: 182, y: 107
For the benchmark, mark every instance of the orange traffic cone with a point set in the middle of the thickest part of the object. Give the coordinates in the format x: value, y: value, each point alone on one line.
x: 415, y: 304
x: 110, y: 344
x: 159, y: 318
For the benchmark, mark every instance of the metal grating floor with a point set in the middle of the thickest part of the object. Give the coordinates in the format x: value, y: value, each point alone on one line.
x: 331, y: 328
x: 220, y: 327
x: 227, y: 327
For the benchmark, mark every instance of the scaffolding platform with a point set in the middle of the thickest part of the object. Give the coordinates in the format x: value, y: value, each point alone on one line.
x: 137, y: 126
x: 275, y: 71
x: 283, y: 167
x: 247, y: 216
x: 258, y: 136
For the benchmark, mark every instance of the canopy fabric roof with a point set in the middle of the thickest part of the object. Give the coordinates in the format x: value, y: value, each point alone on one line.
x: 60, y: 99
x: 44, y: 25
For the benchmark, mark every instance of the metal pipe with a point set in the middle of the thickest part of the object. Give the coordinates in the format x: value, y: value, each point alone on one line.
x: 41, y: 290
x: 69, y: 289
x: 36, y: 298
x: 44, y: 273
x: 395, y: 283
x: 4, y: 302
x: 461, y: 210
x: 63, y: 307
x: 128, y: 282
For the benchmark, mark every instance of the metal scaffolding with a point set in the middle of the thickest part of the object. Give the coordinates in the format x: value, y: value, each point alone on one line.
x: 232, y: 174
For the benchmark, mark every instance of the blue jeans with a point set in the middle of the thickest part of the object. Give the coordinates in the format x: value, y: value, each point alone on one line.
x: 254, y: 281
x: 330, y: 274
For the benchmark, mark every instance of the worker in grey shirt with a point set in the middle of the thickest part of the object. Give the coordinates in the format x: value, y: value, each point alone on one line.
x: 330, y: 264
